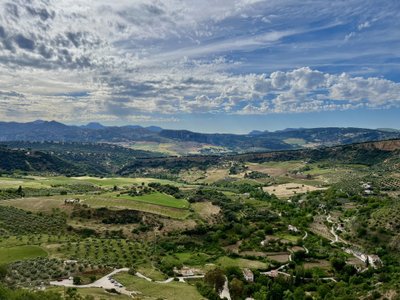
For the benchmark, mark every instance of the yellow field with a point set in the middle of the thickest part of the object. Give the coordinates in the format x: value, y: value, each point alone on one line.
x: 289, y: 189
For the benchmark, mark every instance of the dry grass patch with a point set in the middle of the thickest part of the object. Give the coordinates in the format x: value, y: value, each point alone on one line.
x: 215, y: 174
x: 322, y: 264
x: 280, y: 257
x: 36, y: 204
x: 225, y: 262
x: 289, y: 189
x: 206, y: 210
x: 275, y: 169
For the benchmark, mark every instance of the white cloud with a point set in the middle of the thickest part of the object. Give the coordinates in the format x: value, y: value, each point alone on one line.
x: 101, y: 60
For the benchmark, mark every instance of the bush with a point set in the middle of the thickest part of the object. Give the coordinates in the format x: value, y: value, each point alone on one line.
x: 77, y: 280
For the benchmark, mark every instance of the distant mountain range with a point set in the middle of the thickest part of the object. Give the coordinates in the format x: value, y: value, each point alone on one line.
x: 291, y: 138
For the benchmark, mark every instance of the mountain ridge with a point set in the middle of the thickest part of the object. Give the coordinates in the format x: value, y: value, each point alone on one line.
x: 290, y: 138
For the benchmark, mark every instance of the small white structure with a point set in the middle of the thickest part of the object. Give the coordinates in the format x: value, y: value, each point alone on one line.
x: 293, y: 228
x: 273, y: 273
x: 248, y: 275
x: 72, y: 201
x: 268, y: 239
x: 374, y: 261
x: 366, y: 186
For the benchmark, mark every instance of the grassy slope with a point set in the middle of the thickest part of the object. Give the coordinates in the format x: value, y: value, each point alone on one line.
x: 159, y: 199
x: 11, y: 254
x: 109, y: 200
x: 152, y: 290
x: 45, y: 182
x: 120, y: 202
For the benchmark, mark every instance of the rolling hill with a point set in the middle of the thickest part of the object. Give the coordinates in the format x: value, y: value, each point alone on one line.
x: 287, y: 139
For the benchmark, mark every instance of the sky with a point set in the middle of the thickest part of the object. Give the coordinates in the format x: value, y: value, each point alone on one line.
x: 208, y: 66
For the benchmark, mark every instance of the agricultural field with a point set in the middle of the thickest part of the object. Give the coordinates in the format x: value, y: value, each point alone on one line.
x: 177, y: 148
x: 12, y: 254
x: 145, y: 203
x: 40, y: 182
x: 110, y: 252
x: 159, y: 199
x: 36, y: 204
x: 287, y: 190
x: 226, y: 262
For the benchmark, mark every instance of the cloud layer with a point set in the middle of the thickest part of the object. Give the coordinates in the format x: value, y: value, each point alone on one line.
x: 153, y: 60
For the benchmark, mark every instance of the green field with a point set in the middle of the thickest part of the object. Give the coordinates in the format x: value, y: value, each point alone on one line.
x: 109, y: 200
x: 122, y: 181
x: 151, y: 272
x: 158, y: 199
x: 198, y: 260
x: 289, y: 237
x: 97, y: 293
x: 112, y: 201
x: 11, y: 254
x: 153, y: 290
x: 46, y: 182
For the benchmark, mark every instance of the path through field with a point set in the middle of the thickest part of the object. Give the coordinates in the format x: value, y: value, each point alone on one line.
x: 225, y: 291
x: 304, y: 237
x: 107, y: 282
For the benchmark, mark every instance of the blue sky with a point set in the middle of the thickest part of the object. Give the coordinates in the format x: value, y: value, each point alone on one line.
x: 212, y: 66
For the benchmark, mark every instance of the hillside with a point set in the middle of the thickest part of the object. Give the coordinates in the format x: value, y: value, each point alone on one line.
x: 33, y: 161
x: 102, y: 159
x: 369, y: 153
x: 67, y: 158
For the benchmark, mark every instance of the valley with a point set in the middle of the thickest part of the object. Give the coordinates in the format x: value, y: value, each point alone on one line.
x: 317, y: 223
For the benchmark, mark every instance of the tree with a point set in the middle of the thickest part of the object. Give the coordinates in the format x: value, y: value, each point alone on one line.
x: 216, y: 279
x: 77, y: 280
x: 236, y: 288
x: 261, y: 294
x: 20, y: 191
x: 72, y: 293
x: 299, y: 294
x: 132, y: 270
x: 338, y: 263
x: 3, y: 271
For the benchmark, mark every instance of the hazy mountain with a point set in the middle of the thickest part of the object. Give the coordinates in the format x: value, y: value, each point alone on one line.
x: 93, y: 125
x: 287, y: 139
x: 256, y: 132
x: 154, y: 128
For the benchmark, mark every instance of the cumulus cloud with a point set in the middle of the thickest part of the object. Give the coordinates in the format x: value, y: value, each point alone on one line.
x: 96, y: 60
